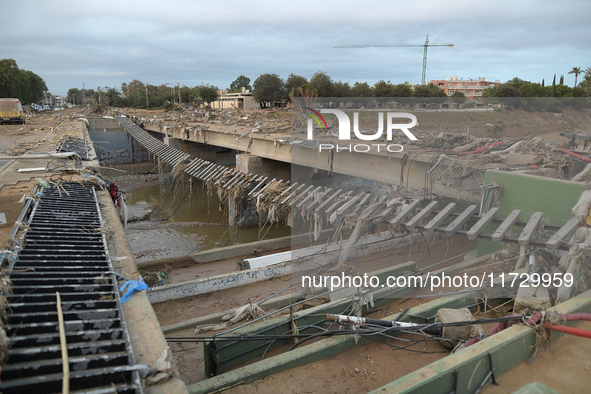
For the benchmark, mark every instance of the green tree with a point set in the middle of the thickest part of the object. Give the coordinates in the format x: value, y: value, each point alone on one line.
x: 124, y: 89
x: 402, y: 90
x: 294, y: 81
x: 74, y: 96
x: 422, y: 91
x: 111, y: 97
x: 268, y: 88
x: 561, y: 80
x: 516, y: 83
x: 32, y: 88
x: 9, y: 78
x: 323, y: 84
x: 563, y: 91
x: 586, y: 82
x: 190, y: 96
x: 532, y: 90
x: 341, y: 89
x: 307, y: 92
x: 458, y: 97
x: 239, y: 83
x: 504, y: 90
x: 383, y: 89
x: 579, y: 92
x: 136, y: 94
x: 361, y: 89
x: 429, y: 90
x: 208, y: 93
x: 576, y: 71
x: 437, y: 91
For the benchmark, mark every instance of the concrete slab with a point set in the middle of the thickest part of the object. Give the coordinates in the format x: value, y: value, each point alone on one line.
x: 537, y: 298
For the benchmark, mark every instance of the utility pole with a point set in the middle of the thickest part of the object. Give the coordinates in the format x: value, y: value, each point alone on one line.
x: 146, y: 86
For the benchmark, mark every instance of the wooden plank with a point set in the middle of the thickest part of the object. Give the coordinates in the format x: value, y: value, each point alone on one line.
x: 482, y: 223
x: 421, y: 215
x: 265, y: 188
x: 227, y: 184
x: 345, y: 205
x: 321, y: 196
x: 382, y: 216
x: 203, y: 170
x: 506, y: 225
x: 328, y: 200
x: 295, y: 193
x: 286, y: 191
x: 207, y: 172
x: 405, y: 212
x: 460, y: 220
x: 440, y: 217
x: 262, y: 181
x: 362, y: 202
x: 308, y: 197
x: 530, y: 228
x: 563, y: 233
x: 240, y: 177
x: 369, y: 210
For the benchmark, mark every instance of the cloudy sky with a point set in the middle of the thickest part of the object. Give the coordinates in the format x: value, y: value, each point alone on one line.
x: 105, y: 43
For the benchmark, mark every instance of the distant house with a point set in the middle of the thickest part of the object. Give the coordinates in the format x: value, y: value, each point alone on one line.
x: 472, y: 88
x: 241, y: 100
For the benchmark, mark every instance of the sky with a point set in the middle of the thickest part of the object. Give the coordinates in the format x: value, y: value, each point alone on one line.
x: 105, y: 43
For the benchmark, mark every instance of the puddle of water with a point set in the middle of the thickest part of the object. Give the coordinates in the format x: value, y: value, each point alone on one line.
x: 194, y: 226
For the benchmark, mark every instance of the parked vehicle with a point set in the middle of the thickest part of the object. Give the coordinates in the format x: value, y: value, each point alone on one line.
x: 11, y: 111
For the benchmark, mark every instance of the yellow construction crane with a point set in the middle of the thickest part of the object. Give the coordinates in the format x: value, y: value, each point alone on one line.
x: 425, y: 46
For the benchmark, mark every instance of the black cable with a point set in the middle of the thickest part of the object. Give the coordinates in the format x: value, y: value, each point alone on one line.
x: 366, y: 329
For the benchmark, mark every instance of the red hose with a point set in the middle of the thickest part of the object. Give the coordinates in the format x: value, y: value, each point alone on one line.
x: 478, y: 150
x: 568, y: 330
x: 575, y: 155
x: 536, y: 318
x: 577, y: 316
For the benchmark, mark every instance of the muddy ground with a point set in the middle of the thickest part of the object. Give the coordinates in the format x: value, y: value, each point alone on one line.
x: 189, y: 356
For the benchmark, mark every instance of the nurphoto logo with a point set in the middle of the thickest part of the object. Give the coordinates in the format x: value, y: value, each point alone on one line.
x: 345, y: 129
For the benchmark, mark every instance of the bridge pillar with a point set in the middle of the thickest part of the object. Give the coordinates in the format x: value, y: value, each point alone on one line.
x: 194, y: 149
x: 248, y: 163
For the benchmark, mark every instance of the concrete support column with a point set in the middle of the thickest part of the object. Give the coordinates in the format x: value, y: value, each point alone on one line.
x: 189, y: 147
x: 248, y: 163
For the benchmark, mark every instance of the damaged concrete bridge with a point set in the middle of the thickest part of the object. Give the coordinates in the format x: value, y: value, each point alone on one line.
x: 383, y: 167
x: 274, y: 196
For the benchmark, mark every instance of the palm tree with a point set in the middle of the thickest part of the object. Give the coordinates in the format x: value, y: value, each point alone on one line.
x: 576, y: 71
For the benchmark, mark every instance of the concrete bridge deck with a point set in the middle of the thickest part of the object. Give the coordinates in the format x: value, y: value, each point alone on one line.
x: 380, y: 166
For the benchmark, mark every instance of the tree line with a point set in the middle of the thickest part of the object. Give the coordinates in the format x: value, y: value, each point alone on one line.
x: 271, y: 88
x: 25, y: 85
x: 138, y: 94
